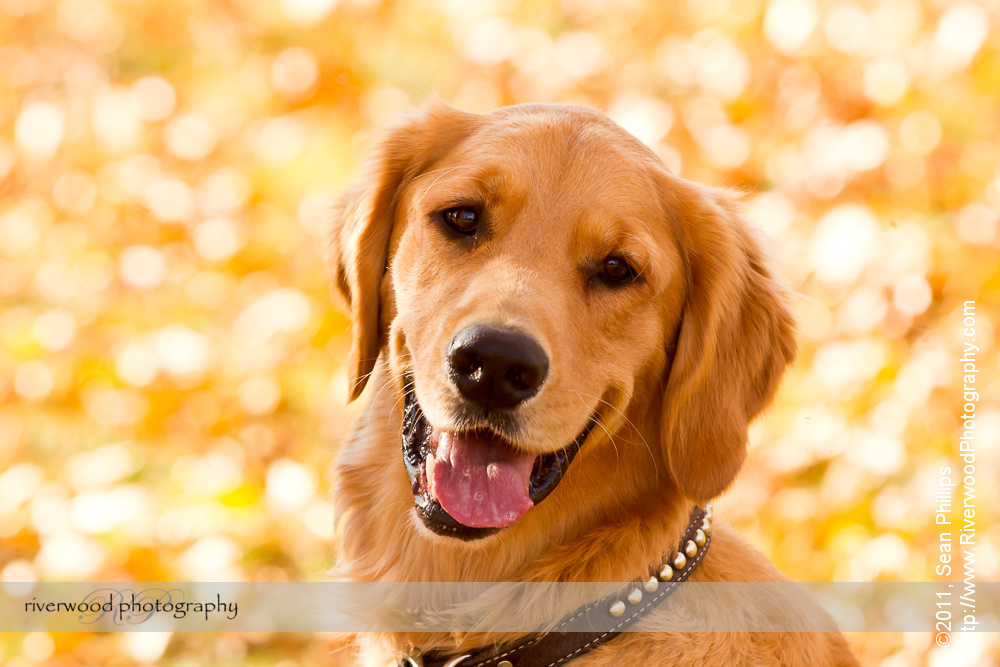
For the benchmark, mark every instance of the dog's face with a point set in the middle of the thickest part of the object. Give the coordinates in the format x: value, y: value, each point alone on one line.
x: 527, y: 299
x: 534, y: 276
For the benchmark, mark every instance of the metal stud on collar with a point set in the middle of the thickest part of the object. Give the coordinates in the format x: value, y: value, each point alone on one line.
x: 691, y: 548
x: 617, y: 608
x: 651, y: 585
x: 634, y: 596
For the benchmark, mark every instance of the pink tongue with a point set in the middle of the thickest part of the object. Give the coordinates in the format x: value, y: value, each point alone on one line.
x: 478, y: 481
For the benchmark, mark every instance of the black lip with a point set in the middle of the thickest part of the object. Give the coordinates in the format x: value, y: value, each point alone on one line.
x: 416, y: 436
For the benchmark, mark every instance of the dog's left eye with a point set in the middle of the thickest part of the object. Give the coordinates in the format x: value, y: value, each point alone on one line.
x: 616, y: 270
x: 462, y: 219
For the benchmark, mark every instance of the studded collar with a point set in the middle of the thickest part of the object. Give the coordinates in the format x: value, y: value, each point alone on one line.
x: 586, y: 628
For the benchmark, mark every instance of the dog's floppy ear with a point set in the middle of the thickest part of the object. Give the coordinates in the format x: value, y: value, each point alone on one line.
x: 364, y: 216
x: 735, y: 338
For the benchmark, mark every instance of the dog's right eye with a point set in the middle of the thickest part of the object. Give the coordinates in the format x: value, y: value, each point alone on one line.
x: 462, y: 219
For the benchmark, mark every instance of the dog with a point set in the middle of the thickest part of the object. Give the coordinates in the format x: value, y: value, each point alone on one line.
x: 564, y: 344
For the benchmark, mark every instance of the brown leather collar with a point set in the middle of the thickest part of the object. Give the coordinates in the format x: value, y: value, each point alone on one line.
x: 586, y: 628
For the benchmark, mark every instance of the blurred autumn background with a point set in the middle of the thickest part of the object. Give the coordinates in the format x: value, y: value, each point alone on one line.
x: 171, y: 389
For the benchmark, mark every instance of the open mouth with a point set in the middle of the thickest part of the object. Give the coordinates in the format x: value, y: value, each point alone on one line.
x: 471, y: 484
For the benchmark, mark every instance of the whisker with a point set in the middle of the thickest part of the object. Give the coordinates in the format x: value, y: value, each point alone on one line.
x: 407, y: 386
x: 628, y: 421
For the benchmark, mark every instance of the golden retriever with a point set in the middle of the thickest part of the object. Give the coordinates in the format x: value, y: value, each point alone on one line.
x: 564, y: 344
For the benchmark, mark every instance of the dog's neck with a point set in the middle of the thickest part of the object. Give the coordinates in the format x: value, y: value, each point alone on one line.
x: 599, y: 525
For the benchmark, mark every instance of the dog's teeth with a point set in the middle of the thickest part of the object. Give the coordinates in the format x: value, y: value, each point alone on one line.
x: 429, y: 472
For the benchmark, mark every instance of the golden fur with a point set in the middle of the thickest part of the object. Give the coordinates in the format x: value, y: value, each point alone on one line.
x: 675, y: 366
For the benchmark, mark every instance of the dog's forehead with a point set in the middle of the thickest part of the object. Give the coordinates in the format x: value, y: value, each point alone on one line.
x: 568, y: 158
x: 561, y: 136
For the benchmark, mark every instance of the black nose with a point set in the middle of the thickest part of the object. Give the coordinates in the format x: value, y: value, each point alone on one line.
x: 496, y: 368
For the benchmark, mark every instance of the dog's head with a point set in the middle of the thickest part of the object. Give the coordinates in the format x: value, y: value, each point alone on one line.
x: 537, y: 279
